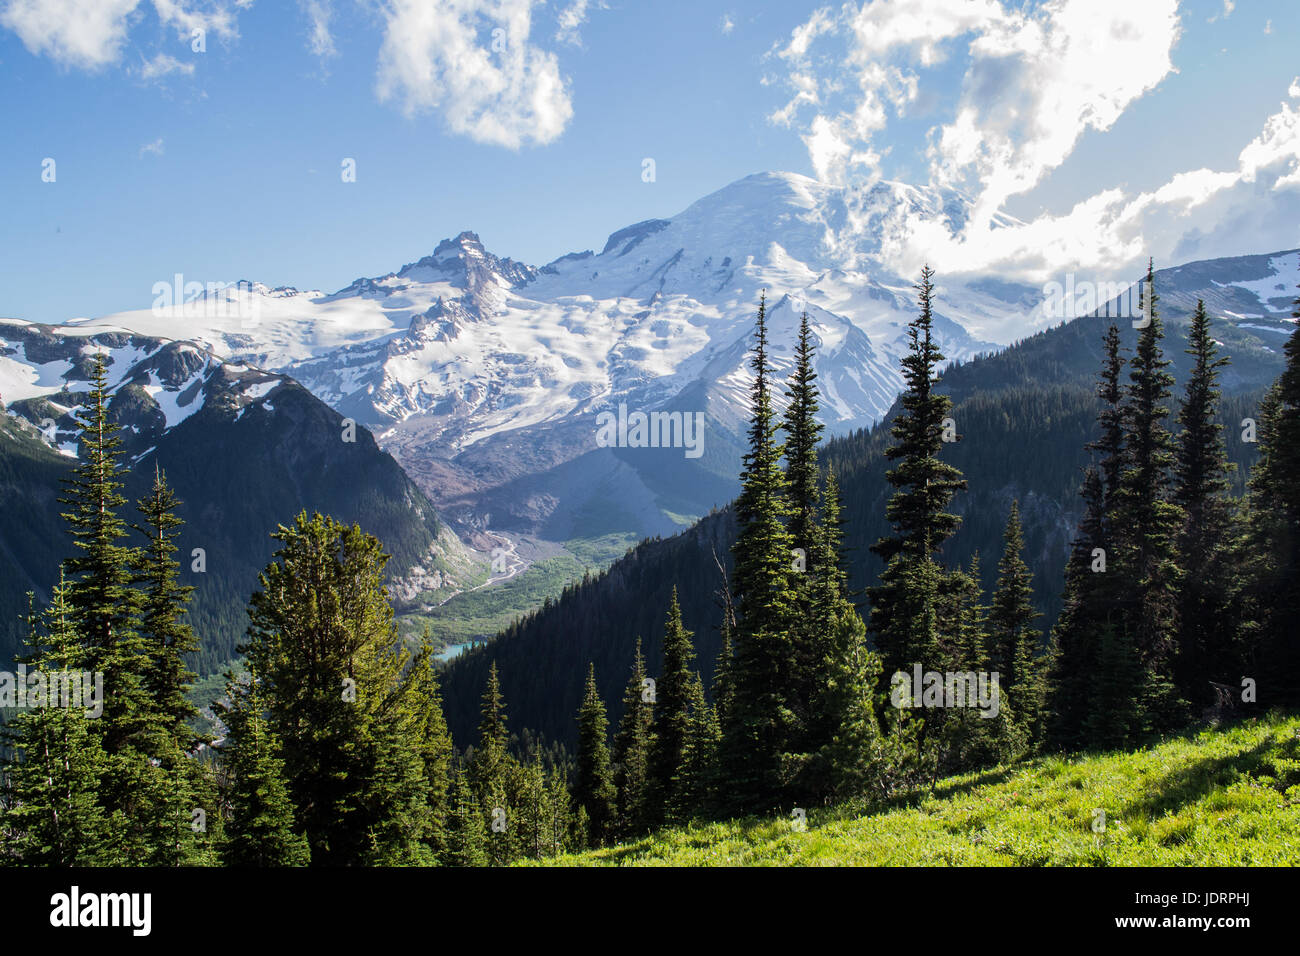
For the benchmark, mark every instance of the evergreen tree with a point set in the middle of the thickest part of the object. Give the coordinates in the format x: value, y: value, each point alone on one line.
x: 761, y: 724
x: 261, y: 830
x: 1146, y: 522
x: 594, y: 788
x: 904, y: 604
x: 697, y: 779
x: 803, y: 432
x: 51, y: 814
x: 844, y: 734
x: 339, y: 696
x: 494, y: 775
x: 1110, y: 420
x: 1084, y: 617
x: 434, y: 746
x: 632, y: 750
x: 102, y: 604
x: 671, y: 716
x: 1205, y: 542
x: 167, y: 636
x: 466, y: 833
x: 1274, y: 538
x: 1014, y: 640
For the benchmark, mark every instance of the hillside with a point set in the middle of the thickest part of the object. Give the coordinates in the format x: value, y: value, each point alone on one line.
x: 1023, y: 415
x: 1228, y: 797
x: 245, y: 451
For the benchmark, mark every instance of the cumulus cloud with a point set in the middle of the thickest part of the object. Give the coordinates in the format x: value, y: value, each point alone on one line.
x: 474, y: 62
x: 83, y: 33
x: 89, y: 34
x: 1032, y: 82
x: 1198, y: 213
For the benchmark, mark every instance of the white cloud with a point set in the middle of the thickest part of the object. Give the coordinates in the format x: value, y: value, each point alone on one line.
x: 570, y: 19
x: 1033, y: 80
x: 1199, y: 213
x: 728, y: 24
x: 163, y: 65
x: 156, y: 147
x: 319, y: 39
x: 89, y: 34
x: 83, y: 33
x: 473, y: 61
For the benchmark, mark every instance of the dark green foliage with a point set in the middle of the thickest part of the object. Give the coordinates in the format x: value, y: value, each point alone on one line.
x: 1207, y: 542
x: 843, y: 734
x: 593, y: 785
x: 167, y: 636
x: 103, y: 606
x: 467, y: 830
x: 1145, y: 524
x: 342, y: 697
x: 803, y: 434
x: 261, y: 830
x: 761, y: 720
x: 632, y: 749
x: 672, y: 718
x: 1015, y: 643
x: 50, y: 814
x: 904, y: 604
x: 1274, y: 540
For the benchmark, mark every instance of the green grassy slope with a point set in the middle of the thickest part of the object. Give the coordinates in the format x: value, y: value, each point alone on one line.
x: 1215, y: 798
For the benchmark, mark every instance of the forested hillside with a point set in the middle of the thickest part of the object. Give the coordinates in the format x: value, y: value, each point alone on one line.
x: 1023, y: 417
x: 239, y: 470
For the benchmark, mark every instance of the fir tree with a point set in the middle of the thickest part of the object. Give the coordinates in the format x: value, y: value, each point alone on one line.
x: 167, y: 636
x: 1076, y: 639
x: 1146, y: 522
x: 632, y: 750
x: 904, y: 604
x: 51, y: 814
x: 1014, y: 640
x: 760, y: 722
x: 261, y: 829
x: 594, y: 788
x: 671, y: 715
x: 102, y: 604
x: 697, y: 779
x: 1274, y: 538
x: 339, y: 696
x: 844, y: 734
x: 466, y: 833
x: 803, y: 432
x: 1205, y: 542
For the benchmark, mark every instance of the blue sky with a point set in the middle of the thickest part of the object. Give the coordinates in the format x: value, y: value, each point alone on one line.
x: 225, y: 164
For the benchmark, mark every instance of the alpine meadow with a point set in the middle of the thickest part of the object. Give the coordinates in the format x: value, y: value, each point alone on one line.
x: 933, y: 504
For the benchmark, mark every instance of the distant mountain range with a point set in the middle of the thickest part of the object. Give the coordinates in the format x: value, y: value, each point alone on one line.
x: 484, y: 376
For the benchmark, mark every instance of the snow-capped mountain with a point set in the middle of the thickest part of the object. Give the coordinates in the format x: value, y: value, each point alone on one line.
x: 235, y: 437
x: 485, y: 376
